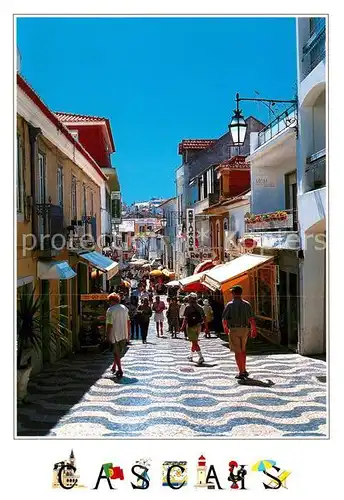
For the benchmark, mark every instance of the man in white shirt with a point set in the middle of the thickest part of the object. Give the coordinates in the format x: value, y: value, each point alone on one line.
x: 117, y: 329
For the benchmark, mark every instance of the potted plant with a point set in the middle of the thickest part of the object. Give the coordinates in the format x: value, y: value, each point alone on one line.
x: 30, y: 323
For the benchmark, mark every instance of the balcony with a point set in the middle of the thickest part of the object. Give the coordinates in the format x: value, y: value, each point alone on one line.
x: 214, y: 198
x: 50, y: 233
x: 314, y: 50
x: 315, y: 171
x: 82, y: 234
x: 277, y: 230
x: 281, y: 122
x: 284, y: 220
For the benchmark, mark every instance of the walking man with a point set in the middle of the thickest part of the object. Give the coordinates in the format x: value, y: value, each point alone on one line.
x: 236, y: 319
x: 117, y: 329
x: 193, y: 319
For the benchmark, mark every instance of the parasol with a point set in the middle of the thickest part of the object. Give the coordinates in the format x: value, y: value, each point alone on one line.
x: 156, y: 272
x: 173, y: 283
x: 262, y: 465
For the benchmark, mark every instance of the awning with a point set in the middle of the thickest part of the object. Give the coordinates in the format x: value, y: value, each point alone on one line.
x: 101, y: 262
x: 173, y: 283
x: 193, y: 283
x: 220, y: 276
x: 54, y: 270
x: 204, y: 266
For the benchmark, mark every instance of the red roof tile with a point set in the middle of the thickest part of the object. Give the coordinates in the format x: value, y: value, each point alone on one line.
x: 32, y: 94
x: 236, y: 162
x: 69, y: 118
x: 195, y: 144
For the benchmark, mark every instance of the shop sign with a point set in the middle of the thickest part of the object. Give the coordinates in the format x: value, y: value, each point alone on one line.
x: 93, y: 296
x: 190, y: 229
x: 202, y: 254
x: 116, y: 207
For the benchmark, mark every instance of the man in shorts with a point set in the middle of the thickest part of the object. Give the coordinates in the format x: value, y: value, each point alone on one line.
x: 193, y: 319
x: 236, y: 319
x: 117, y: 329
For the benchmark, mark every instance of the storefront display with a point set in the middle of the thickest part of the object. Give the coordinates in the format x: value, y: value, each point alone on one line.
x: 93, y: 319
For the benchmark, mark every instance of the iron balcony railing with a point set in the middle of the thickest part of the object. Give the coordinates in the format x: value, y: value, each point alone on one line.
x: 314, y: 50
x: 50, y: 226
x: 283, y: 220
x: 315, y: 171
x: 82, y: 233
x: 281, y: 122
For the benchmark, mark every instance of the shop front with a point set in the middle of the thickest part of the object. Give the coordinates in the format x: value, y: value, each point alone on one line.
x: 257, y: 276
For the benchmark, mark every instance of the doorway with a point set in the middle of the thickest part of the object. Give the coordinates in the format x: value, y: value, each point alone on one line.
x: 288, y: 308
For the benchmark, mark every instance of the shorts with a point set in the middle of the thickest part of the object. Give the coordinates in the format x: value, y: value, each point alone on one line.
x: 120, y: 347
x: 158, y: 317
x: 193, y: 332
x: 238, y: 339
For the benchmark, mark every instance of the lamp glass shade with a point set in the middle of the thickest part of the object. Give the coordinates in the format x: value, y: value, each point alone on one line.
x: 238, y: 128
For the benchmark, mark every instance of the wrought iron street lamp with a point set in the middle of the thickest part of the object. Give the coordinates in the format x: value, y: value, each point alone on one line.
x: 238, y: 125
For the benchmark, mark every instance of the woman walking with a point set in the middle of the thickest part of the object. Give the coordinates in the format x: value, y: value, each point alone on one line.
x: 173, y: 317
x: 158, y: 308
x: 144, y: 313
x: 209, y: 316
x: 134, y: 326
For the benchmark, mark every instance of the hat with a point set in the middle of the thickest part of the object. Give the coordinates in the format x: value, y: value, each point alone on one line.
x: 193, y: 295
x: 236, y: 289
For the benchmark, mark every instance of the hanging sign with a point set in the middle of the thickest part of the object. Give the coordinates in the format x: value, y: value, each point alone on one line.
x: 116, y: 207
x: 190, y: 230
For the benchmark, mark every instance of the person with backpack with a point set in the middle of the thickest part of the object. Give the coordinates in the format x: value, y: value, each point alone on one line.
x: 193, y: 319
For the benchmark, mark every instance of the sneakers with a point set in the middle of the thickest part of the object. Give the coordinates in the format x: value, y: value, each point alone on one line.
x: 242, y: 376
x: 200, y: 361
x: 119, y: 374
x: 190, y: 358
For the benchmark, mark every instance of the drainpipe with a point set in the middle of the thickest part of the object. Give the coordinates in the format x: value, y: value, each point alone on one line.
x: 34, y: 132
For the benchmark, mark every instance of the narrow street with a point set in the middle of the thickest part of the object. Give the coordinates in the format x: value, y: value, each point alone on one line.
x: 164, y: 395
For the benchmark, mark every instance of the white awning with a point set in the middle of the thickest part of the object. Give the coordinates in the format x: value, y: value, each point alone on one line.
x: 216, y: 277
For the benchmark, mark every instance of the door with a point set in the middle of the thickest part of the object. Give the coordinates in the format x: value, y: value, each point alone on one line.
x: 293, y: 310
x: 291, y: 196
x: 283, y: 307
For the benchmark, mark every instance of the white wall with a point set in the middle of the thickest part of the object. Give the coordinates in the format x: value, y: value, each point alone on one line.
x: 237, y: 218
x: 312, y: 338
x: 268, y: 186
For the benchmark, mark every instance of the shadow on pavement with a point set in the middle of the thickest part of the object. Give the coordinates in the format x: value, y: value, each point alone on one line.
x: 259, y: 346
x: 125, y: 380
x: 256, y: 383
x: 56, y: 389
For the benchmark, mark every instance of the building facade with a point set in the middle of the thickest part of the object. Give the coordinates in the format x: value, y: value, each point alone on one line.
x: 311, y: 181
x: 58, y: 217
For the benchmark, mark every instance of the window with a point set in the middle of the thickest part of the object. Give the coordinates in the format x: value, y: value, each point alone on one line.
x: 84, y: 200
x: 20, y: 175
x: 74, y: 211
x: 60, y: 186
x: 205, y: 185
x: 41, y: 178
x: 75, y: 134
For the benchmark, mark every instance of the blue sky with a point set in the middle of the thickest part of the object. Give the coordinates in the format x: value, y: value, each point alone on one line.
x: 158, y: 80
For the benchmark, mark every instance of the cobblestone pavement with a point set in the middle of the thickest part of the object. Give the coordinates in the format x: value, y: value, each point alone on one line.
x: 164, y: 395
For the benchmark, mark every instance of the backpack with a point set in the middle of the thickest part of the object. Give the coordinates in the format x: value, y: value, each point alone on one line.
x: 194, y: 316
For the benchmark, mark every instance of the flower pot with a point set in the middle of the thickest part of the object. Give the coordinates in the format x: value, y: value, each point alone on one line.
x: 23, y: 376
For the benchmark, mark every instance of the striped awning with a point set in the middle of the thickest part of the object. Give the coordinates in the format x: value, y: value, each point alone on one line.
x: 101, y: 262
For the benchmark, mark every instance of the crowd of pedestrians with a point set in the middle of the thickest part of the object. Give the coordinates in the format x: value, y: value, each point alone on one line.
x: 129, y: 317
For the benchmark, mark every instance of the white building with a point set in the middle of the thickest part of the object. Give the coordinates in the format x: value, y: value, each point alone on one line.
x: 311, y: 177
x: 273, y: 224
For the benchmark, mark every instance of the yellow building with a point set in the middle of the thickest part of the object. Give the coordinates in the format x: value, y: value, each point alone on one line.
x: 58, y: 205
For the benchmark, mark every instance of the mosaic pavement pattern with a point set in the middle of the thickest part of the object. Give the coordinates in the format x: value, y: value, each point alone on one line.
x: 164, y: 395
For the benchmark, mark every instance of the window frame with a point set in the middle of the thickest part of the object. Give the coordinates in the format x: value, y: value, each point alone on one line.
x: 20, y: 176
x: 74, y: 211
x: 60, y: 190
